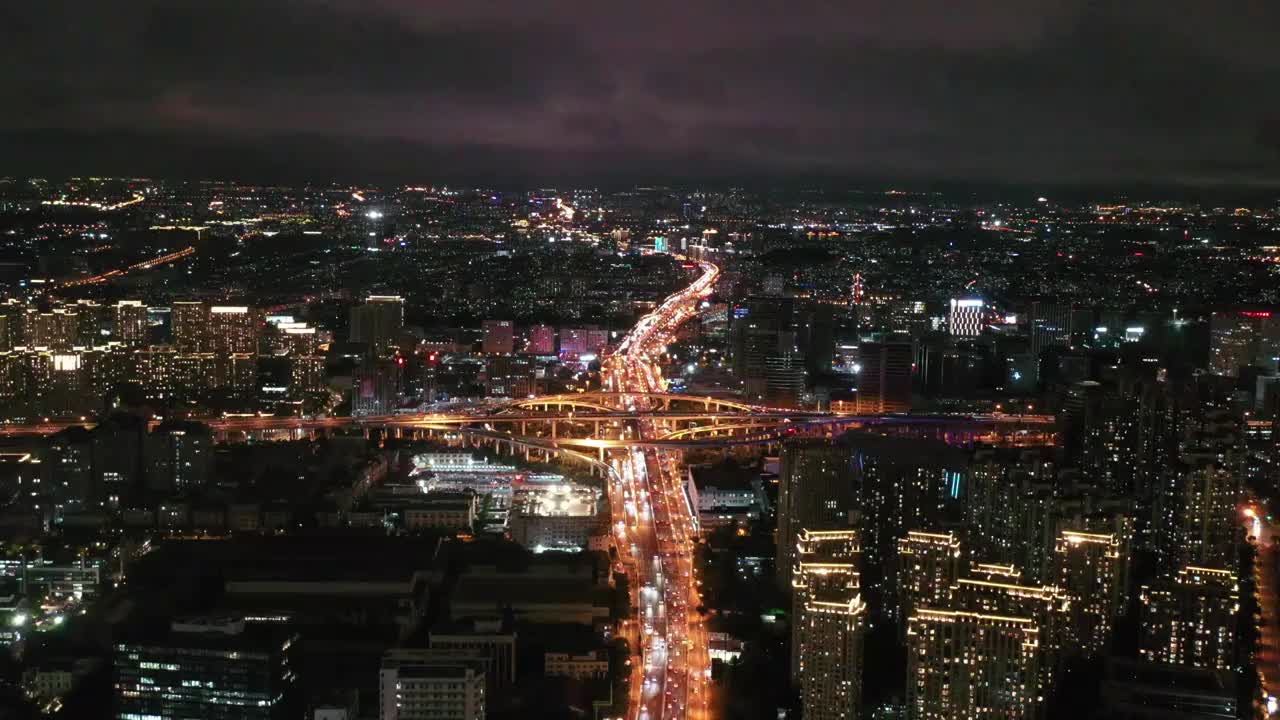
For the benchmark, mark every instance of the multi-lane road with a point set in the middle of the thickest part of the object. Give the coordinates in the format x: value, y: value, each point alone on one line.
x: 657, y: 529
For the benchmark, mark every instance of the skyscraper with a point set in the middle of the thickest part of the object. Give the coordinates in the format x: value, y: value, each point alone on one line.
x: 965, y: 319
x: 815, y: 492
x: 973, y: 665
x: 928, y: 564
x: 829, y: 620
x: 1088, y: 568
x: 499, y: 337
x: 378, y: 322
x: 1050, y: 327
x: 1192, y: 620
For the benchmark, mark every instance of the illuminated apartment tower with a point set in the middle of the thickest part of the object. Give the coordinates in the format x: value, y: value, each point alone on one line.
x: 965, y: 319
x: 378, y: 322
x: 55, y: 330
x: 815, y: 492
x: 131, y: 323
x: 190, y: 322
x: 928, y: 564
x: 972, y: 665
x: 996, y: 591
x: 1203, y: 519
x: 1192, y: 620
x: 829, y: 623
x: 1089, y: 567
x: 232, y: 329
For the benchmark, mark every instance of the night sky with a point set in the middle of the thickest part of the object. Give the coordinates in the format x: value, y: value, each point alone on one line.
x: 1160, y: 92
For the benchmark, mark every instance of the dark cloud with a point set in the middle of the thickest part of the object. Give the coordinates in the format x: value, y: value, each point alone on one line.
x: 1011, y: 90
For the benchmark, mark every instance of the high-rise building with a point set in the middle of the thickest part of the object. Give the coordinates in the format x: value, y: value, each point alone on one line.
x: 784, y: 376
x: 998, y: 592
x: 829, y: 624
x: 1050, y: 326
x: 306, y: 374
x: 1204, y: 529
x: 577, y: 342
x: 815, y: 492
x: 131, y: 323
x: 928, y: 564
x: 1243, y: 338
x: 499, y: 337
x: 965, y: 319
x: 974, y: 665
x: 901, y: 484
x: 378, y: 322
x: 884, y: 378
x: 1088, y: 568
x: 232, y: 329
x: 1192, y: 620
x: 1001, y: 514
x: 1100, y: 436
x: 431, y: 685
x: 376, y: 386
x: 207, y: 668
x: 57, y: 329
x: 541, y: 340
x: 190, y: 321
x: 180, y: 455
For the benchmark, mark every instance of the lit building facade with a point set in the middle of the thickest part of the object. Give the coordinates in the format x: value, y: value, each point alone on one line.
x: 972, y: 666
x: 1192, y: 620
x: 1089, y: 569
x: 829, y: 624
x: 928, y: 564
x: 965, y: 319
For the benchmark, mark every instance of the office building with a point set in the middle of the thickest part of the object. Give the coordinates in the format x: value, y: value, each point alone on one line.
x: 431, y: 685
x: 974, y: 665
x: 232, y: 329
x: 884, y: 378
x: 1089, y: 569
x: 499, y: 337
x: 815, y: 492
x: 1191, y: 621
x: 928, y: 564
x: 965, y: 319
x: 1050, y: 325
x: 378, y: 322
x: 217, y: 668
x: 830, y: 622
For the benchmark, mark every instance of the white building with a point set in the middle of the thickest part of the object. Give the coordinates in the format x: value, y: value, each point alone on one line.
x: 418, y: 686
x: 966, y: 317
